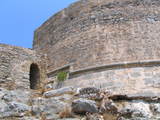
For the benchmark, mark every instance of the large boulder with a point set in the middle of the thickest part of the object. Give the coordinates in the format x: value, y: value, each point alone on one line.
x: 82, y: 106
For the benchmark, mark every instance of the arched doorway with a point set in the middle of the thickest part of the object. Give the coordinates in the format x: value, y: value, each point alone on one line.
x: 34, y: 76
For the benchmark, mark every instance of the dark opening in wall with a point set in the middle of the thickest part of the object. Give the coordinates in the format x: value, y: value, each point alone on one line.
x: 34, y: 76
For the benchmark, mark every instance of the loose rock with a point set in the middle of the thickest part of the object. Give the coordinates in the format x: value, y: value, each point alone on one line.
x: 82, y: 106
x: 137, y: 110
x: 57, y: 92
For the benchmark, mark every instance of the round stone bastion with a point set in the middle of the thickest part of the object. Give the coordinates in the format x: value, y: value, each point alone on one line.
x: 112, y: 44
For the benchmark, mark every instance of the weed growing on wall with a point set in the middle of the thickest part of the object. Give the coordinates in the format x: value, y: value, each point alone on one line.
x: 62, y: 76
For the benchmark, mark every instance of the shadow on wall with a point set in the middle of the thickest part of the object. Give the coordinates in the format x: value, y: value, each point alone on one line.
x: 34, y: 76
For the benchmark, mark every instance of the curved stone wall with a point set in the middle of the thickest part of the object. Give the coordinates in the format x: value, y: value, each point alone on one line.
x: 98, y: 32
x: 139, y: 78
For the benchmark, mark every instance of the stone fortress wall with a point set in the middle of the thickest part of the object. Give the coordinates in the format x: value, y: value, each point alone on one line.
x: 114, y: 43
x: 88, y: 34
x: 111, y: 44
x: 15, y: 64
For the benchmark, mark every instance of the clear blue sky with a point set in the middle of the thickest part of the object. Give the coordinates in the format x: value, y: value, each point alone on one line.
x: 19, y: 18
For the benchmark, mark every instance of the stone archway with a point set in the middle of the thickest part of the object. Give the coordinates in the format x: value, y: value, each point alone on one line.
x: 34, y: 76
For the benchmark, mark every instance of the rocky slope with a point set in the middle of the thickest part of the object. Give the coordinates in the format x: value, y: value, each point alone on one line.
x: 76, y: 104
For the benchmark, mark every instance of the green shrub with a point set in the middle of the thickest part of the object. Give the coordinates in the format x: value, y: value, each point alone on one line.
x: 62, y: 76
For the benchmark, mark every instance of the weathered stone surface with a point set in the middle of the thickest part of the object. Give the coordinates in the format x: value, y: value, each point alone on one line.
x: 89, y: 90
x: 155, y: 108
x: 64, y: 97
x: 52, y: 116
x: 14, y: 109
x: 49, y: 87
x: 15, y: 95
x: 121, y: 81
x: 137, y: 110
x: 109, y: 107
x: 92, y: 93
x: 69, y: 119
x: 82, y: 106
x: 28, y: 118
x: 2, y: 92
x: 94, y: 117
x: 49, y: 107
x: 65, y: 90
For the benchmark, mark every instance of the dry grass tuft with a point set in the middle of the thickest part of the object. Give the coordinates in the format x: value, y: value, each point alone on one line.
x: 66, y: 112
x: 43, y: 116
